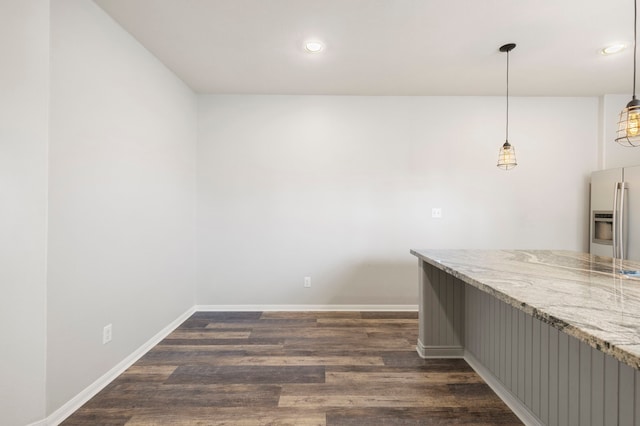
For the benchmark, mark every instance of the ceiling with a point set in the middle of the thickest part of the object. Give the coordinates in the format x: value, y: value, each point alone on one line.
x: 387, y: 47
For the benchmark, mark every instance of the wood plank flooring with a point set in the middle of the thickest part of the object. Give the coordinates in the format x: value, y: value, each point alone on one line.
x: 294, y: 368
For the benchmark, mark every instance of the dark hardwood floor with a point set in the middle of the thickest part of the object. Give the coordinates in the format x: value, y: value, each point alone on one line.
x: 294, y: 368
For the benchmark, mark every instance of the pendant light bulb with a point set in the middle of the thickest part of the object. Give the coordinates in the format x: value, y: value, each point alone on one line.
x: 507, y: 154
x: 507, y: 157
x: 629, y: 123
x: 632, y: 126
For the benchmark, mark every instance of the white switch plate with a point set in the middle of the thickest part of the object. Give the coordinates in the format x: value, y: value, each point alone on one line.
x: 307, y: 282
x: 106, y: 334
x: 436, y: 212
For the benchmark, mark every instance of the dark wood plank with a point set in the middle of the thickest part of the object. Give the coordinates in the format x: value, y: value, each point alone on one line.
x: 310, y: 314
x: 411, y: 359
x: 227, y: 316
x: 418, y: 416
x: 355, y: 344
x: 390, y: 315
x: 247, y: 374
x: 264, y: 323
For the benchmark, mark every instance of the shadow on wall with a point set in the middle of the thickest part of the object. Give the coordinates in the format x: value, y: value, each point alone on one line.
x: 376, y: 282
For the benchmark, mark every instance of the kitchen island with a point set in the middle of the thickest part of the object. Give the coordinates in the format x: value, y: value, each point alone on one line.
x: 555, y: 333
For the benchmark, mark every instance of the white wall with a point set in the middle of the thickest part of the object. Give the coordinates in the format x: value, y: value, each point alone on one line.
x: 24, y: 97
x: 340, y: 188
x: 121, y: 197
x: 611, y: 153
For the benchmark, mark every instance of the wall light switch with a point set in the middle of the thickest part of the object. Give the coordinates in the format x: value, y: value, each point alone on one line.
x: 436, y: 212
x: 107, y: 334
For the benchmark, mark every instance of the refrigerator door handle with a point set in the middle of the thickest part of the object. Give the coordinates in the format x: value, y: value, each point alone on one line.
x: 621, y: 230
x: 615, y: 220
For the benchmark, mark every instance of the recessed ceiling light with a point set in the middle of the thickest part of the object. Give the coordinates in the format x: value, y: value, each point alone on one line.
x: 313, y: 46
x: 614, y: 48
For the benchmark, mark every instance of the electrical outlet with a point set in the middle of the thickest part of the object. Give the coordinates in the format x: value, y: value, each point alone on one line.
x: 307, y: 282
x: 106, y: 334
x: 436, y: 213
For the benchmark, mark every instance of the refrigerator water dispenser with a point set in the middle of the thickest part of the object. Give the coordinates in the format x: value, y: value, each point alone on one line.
x: 603, y: 227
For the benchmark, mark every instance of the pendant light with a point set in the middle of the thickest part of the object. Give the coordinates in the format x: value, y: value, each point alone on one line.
x: 507, y: 155
x: 629, y: 123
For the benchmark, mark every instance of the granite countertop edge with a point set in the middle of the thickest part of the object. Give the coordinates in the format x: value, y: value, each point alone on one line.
x: 614, y: 349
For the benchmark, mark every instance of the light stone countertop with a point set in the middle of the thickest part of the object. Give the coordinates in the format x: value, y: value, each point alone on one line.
x: 583, y: 295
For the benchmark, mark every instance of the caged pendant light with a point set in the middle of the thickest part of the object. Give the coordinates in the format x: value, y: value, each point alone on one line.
x: 507, y: 155
x: 629, y: 123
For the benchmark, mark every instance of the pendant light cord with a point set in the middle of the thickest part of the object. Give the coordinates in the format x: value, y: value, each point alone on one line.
x: 507, y: 127
x: 635, y: 37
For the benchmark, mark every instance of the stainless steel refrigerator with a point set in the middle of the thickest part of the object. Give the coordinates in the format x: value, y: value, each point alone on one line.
x: 615, y: 213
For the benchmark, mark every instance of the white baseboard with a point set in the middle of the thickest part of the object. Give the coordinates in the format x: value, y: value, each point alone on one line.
x: 439, y: 352
x: 302, y: 308
x: 39, y: 423
x: 518, y: 408
x: 70, y: 407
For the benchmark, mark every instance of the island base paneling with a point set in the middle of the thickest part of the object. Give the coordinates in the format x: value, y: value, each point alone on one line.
x: 545, y: 375
x: 442, y: 306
